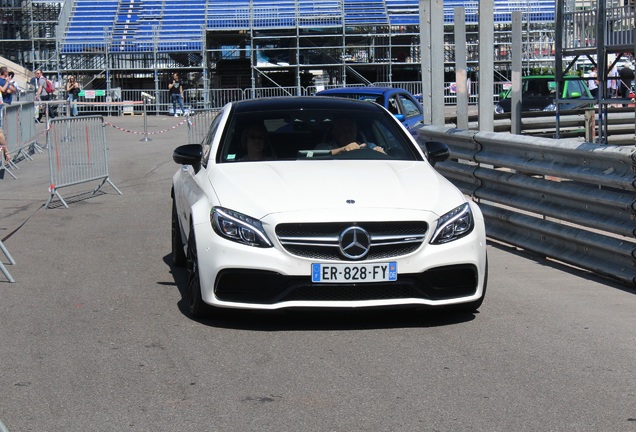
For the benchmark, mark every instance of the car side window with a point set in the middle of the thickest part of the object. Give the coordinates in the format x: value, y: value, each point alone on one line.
x: 207, y: 141
x: 410, y: 107
x: 393, y: 106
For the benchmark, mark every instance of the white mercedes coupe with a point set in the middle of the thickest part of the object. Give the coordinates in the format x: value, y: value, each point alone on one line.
x: 320, y: 202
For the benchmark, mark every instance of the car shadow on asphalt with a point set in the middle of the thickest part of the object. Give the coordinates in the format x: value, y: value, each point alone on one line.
x: 562, y: 267
x: 318, y: 319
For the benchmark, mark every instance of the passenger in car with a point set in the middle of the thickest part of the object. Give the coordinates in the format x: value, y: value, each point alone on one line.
x: 255, y: 143
x: 343, y: 138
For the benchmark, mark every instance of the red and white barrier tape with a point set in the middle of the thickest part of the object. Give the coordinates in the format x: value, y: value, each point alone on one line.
x: 184, y: 121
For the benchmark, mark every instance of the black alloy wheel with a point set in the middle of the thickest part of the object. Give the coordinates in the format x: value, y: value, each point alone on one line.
x: 196, y: 306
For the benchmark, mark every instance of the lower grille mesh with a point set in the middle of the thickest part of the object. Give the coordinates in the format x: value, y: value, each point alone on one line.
x: 261, y: 287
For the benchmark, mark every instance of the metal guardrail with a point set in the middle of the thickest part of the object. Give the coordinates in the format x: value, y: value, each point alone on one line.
x: 618, y: 127
x: 571, y: 201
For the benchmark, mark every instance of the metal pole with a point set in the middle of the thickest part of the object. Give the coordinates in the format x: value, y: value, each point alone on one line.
x: 437, y: 61
x: 515, y: 112
x: 486, y: 62
x: 425, y: 47
x: 461, y: 74
x: 145, y: 138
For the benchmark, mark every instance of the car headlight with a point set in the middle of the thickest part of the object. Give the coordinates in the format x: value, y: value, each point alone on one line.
x: 454, y: 225
x: 238, y: 227
x: 499, y: 109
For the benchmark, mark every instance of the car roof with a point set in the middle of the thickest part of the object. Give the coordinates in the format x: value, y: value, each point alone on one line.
x: 360, y: 90
x: 303, y: 102
x: 551, y: 77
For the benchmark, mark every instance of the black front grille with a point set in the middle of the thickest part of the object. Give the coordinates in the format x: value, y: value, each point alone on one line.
x: 320, y: 240
x: 261, y: 287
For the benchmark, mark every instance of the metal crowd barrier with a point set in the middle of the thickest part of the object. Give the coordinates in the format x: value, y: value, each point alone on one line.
x: 3, y: 269
x: 571, y: 201
x: 18, y: 125
x: 198, y: 124
x: 78, y: 153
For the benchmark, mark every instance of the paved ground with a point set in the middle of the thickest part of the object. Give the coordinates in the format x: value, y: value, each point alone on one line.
x: 94, y: 337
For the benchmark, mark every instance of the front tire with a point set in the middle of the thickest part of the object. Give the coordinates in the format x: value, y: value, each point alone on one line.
x: 196, y: 306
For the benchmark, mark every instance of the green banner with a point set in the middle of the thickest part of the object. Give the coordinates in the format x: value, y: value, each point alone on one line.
x: 92, y: 94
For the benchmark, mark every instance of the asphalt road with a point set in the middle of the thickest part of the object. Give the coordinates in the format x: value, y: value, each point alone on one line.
x: 93, y: 334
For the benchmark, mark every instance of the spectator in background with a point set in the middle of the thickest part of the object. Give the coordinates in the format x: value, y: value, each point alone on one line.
x: 18, y: 89
x: 42, y: 95
x: 3, y: 148
x: 612, y: 82
x: 72, y: 91
x: 4, y: 151
x: 626, y: 75
x: 176, y: 92
x: 592, y: 82
x: 6, y: 87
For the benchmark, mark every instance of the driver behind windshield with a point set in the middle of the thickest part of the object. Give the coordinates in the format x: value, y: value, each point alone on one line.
x: 343, y: 138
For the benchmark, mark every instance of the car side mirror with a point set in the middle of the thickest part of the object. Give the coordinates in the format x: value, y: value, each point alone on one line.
x: 400, y: 117
x: 189, y: 154
x: 575, y: 95
x: 436, y: 151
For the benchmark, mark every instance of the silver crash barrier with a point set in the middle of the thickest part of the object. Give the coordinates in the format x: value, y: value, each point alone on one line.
x: 78, y: 153
x: 564, y: 199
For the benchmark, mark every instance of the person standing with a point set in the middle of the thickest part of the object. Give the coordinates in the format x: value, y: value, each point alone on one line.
x: 4, y: 151
x: 592, y: 82
x: 176, y: 92
x: 6, y: 87
x: 612, y: 83
x: 626, y: 75
x: 42, y: 95
x: 72, y: 90
x: 18, y: 89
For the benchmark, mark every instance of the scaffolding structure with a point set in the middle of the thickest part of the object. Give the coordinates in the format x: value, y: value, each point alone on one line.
x: 602, y: 33
x: 250, y: 43
x: 28, y: 33
x: 292, y: 44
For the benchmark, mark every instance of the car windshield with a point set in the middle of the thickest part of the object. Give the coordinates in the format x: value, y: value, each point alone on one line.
x: 313, y: 135
x: 536, y: 87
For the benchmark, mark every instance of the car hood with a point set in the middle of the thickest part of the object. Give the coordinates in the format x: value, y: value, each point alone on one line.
x: 262, y: 188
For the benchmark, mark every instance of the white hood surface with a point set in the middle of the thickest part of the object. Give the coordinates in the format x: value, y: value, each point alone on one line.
x: 259, y: 189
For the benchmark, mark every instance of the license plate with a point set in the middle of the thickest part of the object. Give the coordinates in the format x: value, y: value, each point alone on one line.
x: 352, y: 273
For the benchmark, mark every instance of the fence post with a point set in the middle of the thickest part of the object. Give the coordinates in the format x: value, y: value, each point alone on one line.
x: 145, y: 138
x: 590, y: 126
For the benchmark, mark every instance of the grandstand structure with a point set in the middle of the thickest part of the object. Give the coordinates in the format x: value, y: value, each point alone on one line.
x: 292, y: 44
x: 250, y: 43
